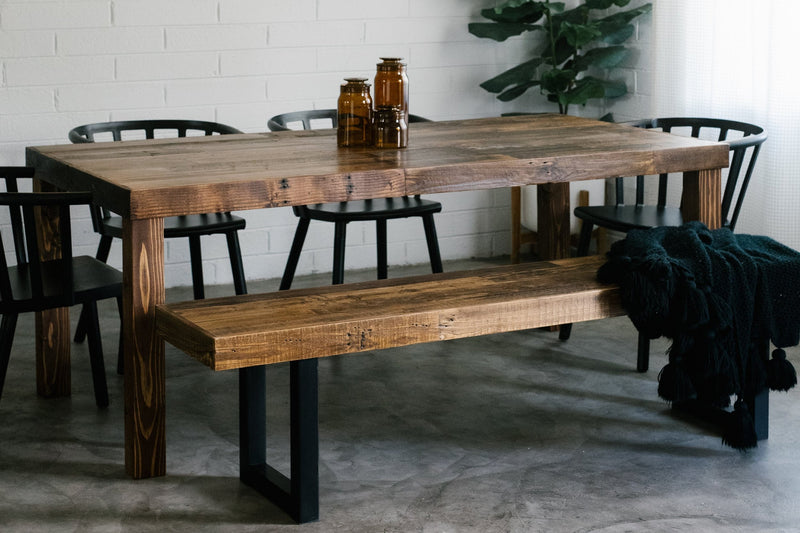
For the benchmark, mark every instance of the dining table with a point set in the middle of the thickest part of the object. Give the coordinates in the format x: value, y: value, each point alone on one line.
x: 147, y: 180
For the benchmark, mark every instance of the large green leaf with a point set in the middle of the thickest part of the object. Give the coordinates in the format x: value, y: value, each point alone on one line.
x: 576, y: 15
x: 579, y: 35
x: 564, y: 51
x: 585, y: 89
x: 518, y: 75
x: 605, y: 4
x: 606, y: 57
x: 613, y: 23
x: 614, y: 89
x: 516, y: 92
x: 500, y: 31
x: 557, y: 80
x: 619, y: 36
x: 516, y: 11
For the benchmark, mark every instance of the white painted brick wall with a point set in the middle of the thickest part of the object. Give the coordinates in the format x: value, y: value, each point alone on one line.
x: 26, y: 15
x: 65, y: 63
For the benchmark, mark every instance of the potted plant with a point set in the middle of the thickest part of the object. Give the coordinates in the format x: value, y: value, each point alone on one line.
x: 577, y: 43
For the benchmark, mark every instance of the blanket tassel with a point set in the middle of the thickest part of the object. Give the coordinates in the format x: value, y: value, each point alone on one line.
x: 781, y: 373
x: 674, y: 384
x: 740, y: 432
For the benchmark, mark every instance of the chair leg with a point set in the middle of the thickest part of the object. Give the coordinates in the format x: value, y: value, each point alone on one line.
x: 339, y: 238
x: 516, y: 224
x: 120, y: 353
x: 7, y: 327
x: 383, y: 257
x: 585, y: 239
x: 433, y: 244
x: 643, y: 354
x: 294, y: 253
x: 235, y: 253
x: 103, y: 250
x: 96, y: 356
x: 196, y: 258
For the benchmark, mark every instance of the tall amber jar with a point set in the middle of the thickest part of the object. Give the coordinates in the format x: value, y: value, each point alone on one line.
x: 391, y: 84
x: 354, y: 113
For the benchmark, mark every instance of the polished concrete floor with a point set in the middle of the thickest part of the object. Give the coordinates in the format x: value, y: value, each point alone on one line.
x: 514, y: 432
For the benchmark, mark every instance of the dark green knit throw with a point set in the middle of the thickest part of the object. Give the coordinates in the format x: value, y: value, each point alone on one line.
x: 720, y: 297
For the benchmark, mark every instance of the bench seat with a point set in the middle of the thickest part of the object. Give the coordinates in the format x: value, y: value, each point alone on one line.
x: 258, y: 329
x: 247, y: 332
x: 299, y: 326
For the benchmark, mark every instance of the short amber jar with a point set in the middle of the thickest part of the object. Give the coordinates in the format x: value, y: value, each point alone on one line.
x: 391, y: 84
x: 391, y: 129
x: 354, y: 114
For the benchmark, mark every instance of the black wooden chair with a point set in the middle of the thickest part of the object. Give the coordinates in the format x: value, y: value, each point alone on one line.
x: 379, y: 210
x: 191, y: 226
x: 33, y: 284
x: 745, y: 142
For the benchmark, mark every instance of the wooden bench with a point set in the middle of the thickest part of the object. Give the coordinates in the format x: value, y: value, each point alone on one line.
x: 298, y: 326
x: 248, y: 332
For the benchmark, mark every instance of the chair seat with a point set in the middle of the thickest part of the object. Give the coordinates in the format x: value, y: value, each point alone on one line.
x: 377, y: 209
x: 92, y: 281
x: 627, y: 217
x: 184, y: 226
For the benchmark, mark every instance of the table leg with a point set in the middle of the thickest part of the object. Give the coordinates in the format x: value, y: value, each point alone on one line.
x: 702, y: 197
x: 143, y: 289
x: 52, y: 353
x: 553, y: 218
x: 51, y: 328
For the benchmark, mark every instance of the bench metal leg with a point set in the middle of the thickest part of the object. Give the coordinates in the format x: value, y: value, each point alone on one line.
x: 298, y: 494
x: 757, y: 403
x: 759, y: 409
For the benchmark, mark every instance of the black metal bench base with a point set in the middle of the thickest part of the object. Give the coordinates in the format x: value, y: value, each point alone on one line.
x: 298, y: 494
x: 757, y: 403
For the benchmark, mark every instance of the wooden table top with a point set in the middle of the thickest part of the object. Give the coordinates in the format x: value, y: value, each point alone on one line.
x: 165, y: 177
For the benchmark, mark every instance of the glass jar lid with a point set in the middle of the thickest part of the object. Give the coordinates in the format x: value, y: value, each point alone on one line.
x: 355, y: 85
x: 391, y: 63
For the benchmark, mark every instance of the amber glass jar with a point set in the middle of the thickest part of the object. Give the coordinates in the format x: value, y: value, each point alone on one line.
x: 391, y: 84
x: 354, y: 114
x: 391, y: 130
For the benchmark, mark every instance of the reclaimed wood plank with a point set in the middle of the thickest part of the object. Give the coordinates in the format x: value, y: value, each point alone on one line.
x: 248, y: 330
x: 553, y: 220
x: 252, y: 171
x: 51, y: 327
x: 144, y: 381
x: 700, y: 198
